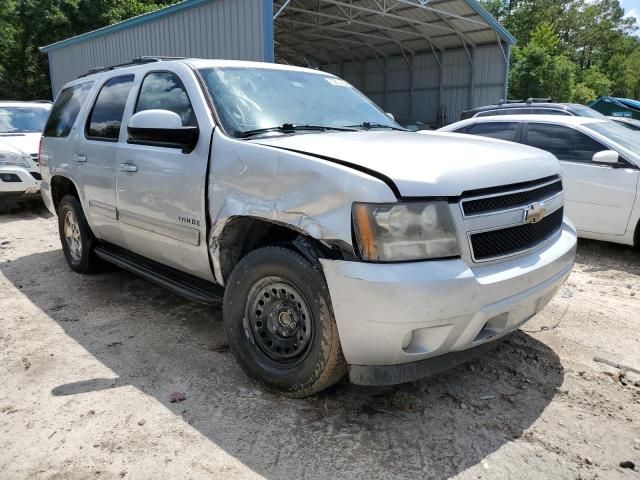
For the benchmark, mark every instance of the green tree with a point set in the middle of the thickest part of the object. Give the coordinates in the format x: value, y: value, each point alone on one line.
x: 26, y: 25
x: 540, y: 69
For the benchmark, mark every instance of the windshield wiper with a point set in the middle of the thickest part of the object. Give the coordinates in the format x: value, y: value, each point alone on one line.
x: 291, y: 128
x: 371, y: 125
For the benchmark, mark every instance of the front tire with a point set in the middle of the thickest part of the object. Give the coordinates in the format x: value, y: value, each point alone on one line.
x: 75, y: 235
x: 280, y: 324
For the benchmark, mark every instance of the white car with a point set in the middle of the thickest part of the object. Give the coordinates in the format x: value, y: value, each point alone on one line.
x: 600, y: 161
x: 334, y: 243
x: 21, y: 125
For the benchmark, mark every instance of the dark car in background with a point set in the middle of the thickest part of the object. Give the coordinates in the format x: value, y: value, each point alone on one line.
x: 532, y: 106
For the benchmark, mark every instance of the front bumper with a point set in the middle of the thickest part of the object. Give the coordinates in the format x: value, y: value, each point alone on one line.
x: 23, y: 183
x: 396, y: 314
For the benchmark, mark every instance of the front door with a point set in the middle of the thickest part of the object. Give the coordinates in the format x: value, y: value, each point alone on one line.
x: 599, y: 197
x: 160, y: 190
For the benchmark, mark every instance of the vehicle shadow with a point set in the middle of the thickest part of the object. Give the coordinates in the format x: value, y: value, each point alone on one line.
x: 159, y: 343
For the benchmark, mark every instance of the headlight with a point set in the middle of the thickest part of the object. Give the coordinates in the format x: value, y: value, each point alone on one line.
x: 397, y: 232
x: 12, y: 159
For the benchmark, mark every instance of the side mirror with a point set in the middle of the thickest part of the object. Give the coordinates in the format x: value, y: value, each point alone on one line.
x: 609, y: 157
x: 161, y: 128
x: 391, y: 116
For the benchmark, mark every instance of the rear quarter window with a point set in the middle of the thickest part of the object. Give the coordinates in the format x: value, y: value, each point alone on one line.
x: 66, y: 109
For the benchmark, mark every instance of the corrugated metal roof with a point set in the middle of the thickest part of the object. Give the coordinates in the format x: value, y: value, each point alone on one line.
x: 350, y: 29
x: 327, y: 31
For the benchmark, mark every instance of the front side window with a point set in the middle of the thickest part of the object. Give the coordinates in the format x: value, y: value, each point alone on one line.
x: 66, y: 110
x: 248, y: 99
x: 583, y: 111
x: 499, y: 130
x: 23, y: 119
x: 106, y: 117
x: 617, y: 133
x: 565, y: 143
x: 165, y: 91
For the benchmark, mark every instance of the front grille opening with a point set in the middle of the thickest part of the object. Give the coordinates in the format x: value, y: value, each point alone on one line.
x: 513, y: 200
x: 508, y: 241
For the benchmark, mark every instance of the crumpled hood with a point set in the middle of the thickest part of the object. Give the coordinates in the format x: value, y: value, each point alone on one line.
x: 427, y: 165
x: 27, y: 143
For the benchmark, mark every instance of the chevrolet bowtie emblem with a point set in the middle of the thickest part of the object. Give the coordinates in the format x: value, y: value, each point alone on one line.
x: 534, y: 213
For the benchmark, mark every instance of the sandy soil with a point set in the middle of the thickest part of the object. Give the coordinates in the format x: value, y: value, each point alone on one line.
x: 88, y: 365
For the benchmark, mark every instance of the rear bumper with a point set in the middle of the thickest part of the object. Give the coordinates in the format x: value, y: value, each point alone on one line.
x: 398, y: 314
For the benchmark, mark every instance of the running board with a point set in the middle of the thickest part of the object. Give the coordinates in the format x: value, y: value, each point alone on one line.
x: 181, y: 283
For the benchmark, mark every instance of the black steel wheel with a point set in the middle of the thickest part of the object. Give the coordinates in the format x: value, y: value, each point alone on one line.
x: 280, y: 324
x: 280, y: 320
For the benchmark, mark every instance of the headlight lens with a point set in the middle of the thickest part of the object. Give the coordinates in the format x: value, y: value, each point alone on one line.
x: 12, y: 159
x: 397, y: 232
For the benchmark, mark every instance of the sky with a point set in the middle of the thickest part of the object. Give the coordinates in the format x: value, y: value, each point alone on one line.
x: 632, y: 7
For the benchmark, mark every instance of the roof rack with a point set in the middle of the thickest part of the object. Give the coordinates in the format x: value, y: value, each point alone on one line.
x: 135, y: 61
x: 503, y: 101
x: 539, y: 100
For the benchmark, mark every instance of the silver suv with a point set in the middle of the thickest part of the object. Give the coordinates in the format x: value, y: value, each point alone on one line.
x: 336, y: 241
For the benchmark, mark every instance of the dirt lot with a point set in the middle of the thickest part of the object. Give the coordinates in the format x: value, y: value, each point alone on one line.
x: 88, y: 365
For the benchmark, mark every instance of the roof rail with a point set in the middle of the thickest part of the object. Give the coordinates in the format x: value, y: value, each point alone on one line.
x: 135, y: 61
x: 503, y: 101
x: 539, y: 100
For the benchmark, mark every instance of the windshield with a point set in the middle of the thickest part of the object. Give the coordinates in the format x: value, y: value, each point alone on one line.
x: 583, y: 111
x: 617, y: 133
x: 248, y: 99
x: 22, y: 119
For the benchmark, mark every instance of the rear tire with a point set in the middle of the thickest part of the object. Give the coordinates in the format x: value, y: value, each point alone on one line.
x: 75, y: 236
x: 280, y: 324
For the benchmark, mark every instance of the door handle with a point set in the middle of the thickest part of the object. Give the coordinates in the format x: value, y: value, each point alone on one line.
x: 128, y: 167
x: 80, y: 157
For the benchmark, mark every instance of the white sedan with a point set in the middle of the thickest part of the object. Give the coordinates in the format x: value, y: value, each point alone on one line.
x: 600, y: 161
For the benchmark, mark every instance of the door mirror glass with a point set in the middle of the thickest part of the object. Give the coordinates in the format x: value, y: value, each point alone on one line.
x: 607, y: 156
x: 161, y: 128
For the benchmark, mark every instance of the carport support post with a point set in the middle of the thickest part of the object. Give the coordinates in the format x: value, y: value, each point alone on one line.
x: 384, y: 84
x: 441, y: 120
x: 472, y: 84
x: 412, y: 107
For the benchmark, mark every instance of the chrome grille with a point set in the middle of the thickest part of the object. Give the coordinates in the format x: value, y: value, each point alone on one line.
x: 506, y: 221
x: 512, y: 200
x: 501, y: 243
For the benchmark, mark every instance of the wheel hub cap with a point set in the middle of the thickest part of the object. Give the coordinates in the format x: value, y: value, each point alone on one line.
x: 72, y: 235
x: 280, y: 319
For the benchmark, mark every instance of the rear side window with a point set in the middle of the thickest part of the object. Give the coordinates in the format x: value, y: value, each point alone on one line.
x: 165, y: 91
x: 106, y: 117
x: 550, y: 111
x: 65, y: 111
x: 499, y: 130
x: 565, y: 143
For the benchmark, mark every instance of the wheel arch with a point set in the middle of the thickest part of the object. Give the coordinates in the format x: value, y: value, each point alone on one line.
x: 61, y: 186
x: 242, y: 234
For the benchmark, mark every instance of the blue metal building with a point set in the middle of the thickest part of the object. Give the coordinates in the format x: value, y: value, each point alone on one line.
x: 419, y: 59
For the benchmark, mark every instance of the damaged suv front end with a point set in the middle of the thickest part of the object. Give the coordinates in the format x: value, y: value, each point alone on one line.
x: 433, y: 247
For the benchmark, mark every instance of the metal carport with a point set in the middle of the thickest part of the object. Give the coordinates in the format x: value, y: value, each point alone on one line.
x: 418, y: 59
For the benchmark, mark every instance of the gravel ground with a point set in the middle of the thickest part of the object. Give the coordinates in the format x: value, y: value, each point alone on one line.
x: 89, y: 364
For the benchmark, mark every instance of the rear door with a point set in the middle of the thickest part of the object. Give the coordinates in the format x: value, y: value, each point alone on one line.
x: 599, y: 197
x: 161, y: 194
x: 97, y: 151
x: 509, y: 131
